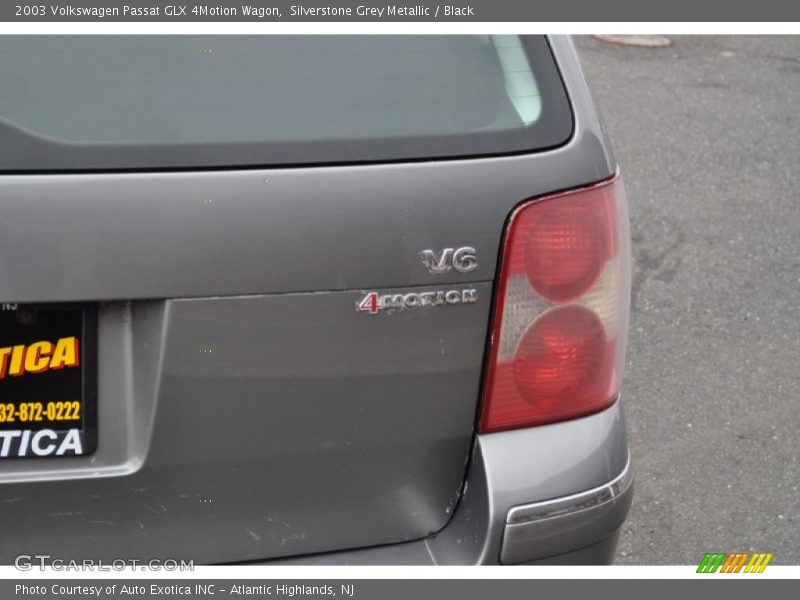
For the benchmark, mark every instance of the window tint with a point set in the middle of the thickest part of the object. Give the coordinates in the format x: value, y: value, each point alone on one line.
x: 116, y: 102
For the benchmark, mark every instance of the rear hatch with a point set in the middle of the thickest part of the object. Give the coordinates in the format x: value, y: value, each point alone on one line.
x: 276, y: 255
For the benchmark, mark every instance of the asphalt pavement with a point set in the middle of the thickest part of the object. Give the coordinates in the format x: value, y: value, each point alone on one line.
x: 707, y: 134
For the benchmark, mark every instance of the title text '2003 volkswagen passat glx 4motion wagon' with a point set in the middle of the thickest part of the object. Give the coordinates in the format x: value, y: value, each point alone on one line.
x: 309, y: 299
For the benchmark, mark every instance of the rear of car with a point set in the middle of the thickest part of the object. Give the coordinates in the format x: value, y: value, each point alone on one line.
x: 317, y: 299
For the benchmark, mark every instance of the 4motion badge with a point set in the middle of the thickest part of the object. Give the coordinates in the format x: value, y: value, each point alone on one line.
x: 373, y: 302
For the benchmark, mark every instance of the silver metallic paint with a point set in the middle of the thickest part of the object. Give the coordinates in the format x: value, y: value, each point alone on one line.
x: 514, y: 468
x: 256, y: 250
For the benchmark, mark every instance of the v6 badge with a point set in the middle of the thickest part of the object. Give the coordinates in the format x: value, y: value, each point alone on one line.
x: 463, y: 260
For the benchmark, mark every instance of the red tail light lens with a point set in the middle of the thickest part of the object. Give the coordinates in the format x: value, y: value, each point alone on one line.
x: 561, y: 311
x: 567, y: 248
x: 562, y: 352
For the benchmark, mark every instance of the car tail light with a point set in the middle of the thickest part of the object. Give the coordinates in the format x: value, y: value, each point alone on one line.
x: 557, y: 347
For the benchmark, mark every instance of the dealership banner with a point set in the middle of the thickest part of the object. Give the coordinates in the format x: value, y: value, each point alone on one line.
x: 385, y: 589
x: 388, y: 11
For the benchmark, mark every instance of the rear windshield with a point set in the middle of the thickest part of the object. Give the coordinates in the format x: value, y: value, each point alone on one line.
x: 143, y: 102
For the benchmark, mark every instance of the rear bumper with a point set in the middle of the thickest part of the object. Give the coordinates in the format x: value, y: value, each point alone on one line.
x: 557, y: 527
x: 554, y: 494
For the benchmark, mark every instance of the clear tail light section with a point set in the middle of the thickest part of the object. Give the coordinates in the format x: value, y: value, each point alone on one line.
x: 557, y: 347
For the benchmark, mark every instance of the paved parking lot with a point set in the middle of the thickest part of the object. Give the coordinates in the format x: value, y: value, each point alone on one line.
x: 707, y: 133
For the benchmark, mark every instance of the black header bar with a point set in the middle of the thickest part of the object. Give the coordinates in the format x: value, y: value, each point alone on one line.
x: 388, y: 11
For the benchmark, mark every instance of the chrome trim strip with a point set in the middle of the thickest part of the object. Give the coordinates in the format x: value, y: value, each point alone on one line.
x: 546, y: 509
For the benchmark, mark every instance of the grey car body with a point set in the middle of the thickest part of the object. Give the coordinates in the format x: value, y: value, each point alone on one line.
x: 247, y: 412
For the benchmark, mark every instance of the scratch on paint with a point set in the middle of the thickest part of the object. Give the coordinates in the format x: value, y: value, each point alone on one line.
x: 254, y: 535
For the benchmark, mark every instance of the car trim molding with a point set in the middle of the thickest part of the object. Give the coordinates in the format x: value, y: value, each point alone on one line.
x: 592, y: 498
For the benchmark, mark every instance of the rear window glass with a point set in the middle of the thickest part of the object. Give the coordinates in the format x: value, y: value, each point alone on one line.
x: 136, y: 102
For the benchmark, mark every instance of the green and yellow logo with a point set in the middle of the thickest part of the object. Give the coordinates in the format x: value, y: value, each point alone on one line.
x: 734, y: 563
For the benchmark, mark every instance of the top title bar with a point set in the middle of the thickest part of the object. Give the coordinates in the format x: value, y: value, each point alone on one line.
x: 388, y: 11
